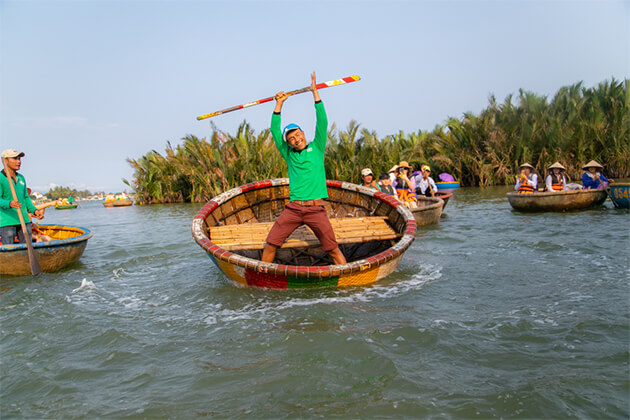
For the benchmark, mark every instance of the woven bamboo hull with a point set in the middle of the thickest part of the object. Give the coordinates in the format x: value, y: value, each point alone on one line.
x: 67, y: 246
x: 118, y: 203
x: 445, y: 196
x: 557, y: 201
x: 429, y: 211
x: 306, y: 266
x: 620, y: 194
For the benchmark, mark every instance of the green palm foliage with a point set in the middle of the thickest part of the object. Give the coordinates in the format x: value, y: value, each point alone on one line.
x: 574, y: 126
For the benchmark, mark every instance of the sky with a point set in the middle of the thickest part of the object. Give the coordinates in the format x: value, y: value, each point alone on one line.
x: 84, y: 85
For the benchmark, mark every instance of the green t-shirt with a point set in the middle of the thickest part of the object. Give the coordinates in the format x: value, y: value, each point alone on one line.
x: 307, y: 175
x: 8, y: 215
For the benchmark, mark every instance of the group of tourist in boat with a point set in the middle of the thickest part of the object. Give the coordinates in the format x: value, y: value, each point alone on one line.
x: 401, y: 183
x: 556, y: 180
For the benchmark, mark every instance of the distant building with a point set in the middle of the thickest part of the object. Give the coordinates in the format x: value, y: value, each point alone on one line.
x: 38, y: 197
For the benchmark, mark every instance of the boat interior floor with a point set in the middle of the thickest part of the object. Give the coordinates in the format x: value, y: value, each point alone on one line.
x: 358, y: 238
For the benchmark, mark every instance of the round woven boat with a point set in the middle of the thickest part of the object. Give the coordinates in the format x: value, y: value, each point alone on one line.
x: 373, y: 231
x: 65, y: 247
x: 429, y: 210
x: 556, y: 200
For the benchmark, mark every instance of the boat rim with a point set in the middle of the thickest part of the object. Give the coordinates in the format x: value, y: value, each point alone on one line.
x: 542, y: 194
x: 87, y: 234
x: 301, y: 270
x: 435, y: 202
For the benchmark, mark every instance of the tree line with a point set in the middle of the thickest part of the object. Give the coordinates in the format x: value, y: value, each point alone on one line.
x: 58, y: 192
x: 575, y: 125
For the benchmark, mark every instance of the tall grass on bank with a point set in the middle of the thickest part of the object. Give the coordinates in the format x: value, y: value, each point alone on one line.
x: 576, y: 125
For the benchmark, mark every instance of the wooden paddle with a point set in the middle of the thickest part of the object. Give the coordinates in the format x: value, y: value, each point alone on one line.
x: 32, y: 256
x: 323, y: 85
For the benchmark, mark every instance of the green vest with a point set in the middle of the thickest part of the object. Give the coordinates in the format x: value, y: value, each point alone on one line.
x: 307, y: 175
x: 9, y: 216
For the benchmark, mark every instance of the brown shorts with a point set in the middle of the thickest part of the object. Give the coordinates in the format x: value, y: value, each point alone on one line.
x: 293, y: 216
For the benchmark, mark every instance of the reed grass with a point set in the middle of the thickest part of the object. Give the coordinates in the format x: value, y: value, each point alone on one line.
x: 574, y: 126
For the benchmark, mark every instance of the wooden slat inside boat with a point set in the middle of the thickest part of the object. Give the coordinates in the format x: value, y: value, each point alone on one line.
x: 66, y: 247
x: 373, y: 231
x: 557, y: 200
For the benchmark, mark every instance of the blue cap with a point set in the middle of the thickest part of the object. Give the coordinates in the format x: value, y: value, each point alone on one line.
x: 289, y: 127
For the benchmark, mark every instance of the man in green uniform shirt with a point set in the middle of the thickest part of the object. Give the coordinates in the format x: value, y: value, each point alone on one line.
x: 9, y: 219
x: 307, y: 181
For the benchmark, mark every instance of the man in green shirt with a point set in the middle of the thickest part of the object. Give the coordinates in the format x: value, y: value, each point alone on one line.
x: 307, y: 181
x: 9, y: 219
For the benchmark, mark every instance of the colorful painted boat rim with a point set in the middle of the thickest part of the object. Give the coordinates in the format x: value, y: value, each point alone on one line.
x: 620, y: 194
x: 252, y: 272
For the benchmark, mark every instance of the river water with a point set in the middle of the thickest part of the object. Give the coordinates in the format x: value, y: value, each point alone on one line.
x: 492, y: 313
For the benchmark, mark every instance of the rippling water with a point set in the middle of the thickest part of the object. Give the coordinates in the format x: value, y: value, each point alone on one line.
x: 491, y: 313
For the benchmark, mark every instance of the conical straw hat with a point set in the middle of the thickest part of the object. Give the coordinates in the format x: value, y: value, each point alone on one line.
x: 592, y: 164
x: 527, y: 165
x: 557, y: 165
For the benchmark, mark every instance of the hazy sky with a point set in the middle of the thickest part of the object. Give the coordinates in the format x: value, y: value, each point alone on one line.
x: 86, y: 84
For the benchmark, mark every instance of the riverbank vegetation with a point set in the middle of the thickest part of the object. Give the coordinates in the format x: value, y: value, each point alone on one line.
x: 574, y: 126
x: 58, y: 192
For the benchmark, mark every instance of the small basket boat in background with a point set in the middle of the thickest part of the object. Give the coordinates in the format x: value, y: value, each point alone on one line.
x: 66, y: 206
x: 429, y: 210
x: 556, y: 200
x: 445, y: 196
x: 373, y: 231
x: 118, y: 203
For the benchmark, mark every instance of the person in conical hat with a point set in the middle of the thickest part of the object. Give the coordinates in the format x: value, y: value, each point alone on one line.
x: 556, y: 181
x: 527, y: 180
x: 592, y: 178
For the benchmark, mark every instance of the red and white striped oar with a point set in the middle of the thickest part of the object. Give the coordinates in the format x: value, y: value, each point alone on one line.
x: 293, y: 92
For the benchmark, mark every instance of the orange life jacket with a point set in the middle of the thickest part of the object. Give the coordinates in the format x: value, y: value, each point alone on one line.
x: 556, y: 183
x: 406, y: 195
x: 525, y: 188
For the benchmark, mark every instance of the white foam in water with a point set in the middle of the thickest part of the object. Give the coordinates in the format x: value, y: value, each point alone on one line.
x: 386, y: 291
x: 85, y: 285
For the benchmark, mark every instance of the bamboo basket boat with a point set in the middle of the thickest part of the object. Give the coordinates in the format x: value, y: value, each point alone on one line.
x: 429, y: 210
x: 373, y: 231
x: 620, y: 194
x: 557, y: 200
x: 118, y: 203
x: 447, y: 185
x: 66, y: 247
x: 66, y: 206
x: 445, y: 196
